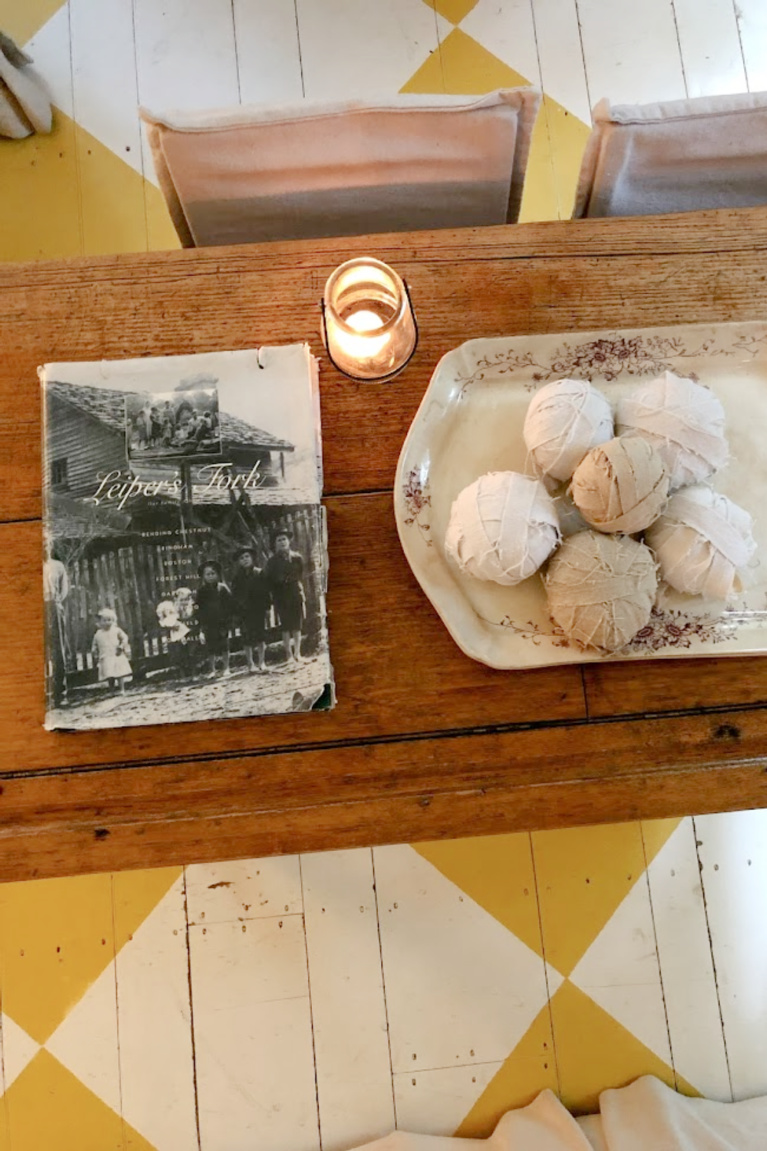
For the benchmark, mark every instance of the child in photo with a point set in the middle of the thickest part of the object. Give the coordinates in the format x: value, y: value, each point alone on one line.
x: 168, y: 418
x: 250, y: 592
x: 284, y: 574
x: 183, y: 599
x: 214, y: 614
x: 111, y: 650
x: 155, y: 418
x: 177, y: 635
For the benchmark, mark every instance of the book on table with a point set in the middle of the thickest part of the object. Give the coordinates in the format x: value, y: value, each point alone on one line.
x: 185, y: 552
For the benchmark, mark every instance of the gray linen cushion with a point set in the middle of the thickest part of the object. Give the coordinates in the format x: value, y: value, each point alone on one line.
x: 679, y: 156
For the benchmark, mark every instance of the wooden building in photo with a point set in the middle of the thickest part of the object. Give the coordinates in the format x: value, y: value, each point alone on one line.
x: 85, y: 436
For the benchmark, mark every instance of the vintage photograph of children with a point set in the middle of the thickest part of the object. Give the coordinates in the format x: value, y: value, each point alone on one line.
x: 161, y: 425
x: 213, y: 422
x: 199, y: 578
x: 227, y: 621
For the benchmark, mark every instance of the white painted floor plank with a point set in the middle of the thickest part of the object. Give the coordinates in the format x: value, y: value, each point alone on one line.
x: 86, y: 1040
x: 631, y: 58
x: 436, y: 1102
x: 253, y: 1036
x: 185, y: 54
x: 351, y: 1043
x: 154, y: 1017
x: 266, y: 34
x: 243, y: 889
x: 357, y: 48
x: 563, y: 73
x: 620, y: 971
x: 17, y: 1050
x: 710, y: 46
x: 50, y: 50
x: 185, y: 59
x: 732, y: 849
x: 689, y: 987
x: 460, y: 988
x: 508, y: 31
x: 752, y: 25
x: 104, y: 75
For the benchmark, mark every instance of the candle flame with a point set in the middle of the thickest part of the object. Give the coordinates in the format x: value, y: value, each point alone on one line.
x: 366, y: 344
x: 364, y: 321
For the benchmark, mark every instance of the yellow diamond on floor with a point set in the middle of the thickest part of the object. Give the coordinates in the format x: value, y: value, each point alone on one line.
x: 18, y: 1050
x: 115, y: 210
x: 38, y: 192
x: 595, y: 1052
x: 584, y: 874
x: 57, y: 937
x: 497, y: 872
x: 22, y: 21
x: 528, y: 1070
x: 461, y: 66
x: 452, y: 10
x: 47, y: 1107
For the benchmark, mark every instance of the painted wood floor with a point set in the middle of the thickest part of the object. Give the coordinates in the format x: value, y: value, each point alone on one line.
x: 318, y: 1001
x: 90, y: 187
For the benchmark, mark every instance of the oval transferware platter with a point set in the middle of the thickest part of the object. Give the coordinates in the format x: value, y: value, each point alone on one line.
x: 470, y: 422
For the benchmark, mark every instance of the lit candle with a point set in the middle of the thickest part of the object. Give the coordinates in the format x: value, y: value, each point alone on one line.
x: 369, y: 325
x: 365, y: 345
x: 364, y: 321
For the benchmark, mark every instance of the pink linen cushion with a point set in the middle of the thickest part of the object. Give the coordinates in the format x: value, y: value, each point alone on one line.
x: 249, y: 174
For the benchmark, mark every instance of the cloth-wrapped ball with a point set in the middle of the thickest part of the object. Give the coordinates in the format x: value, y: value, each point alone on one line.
x: 564, y: 420
x: 621, y: 486
x: 683, y: 420
x: 702, y: 542
x: 601, y: 589
x: 502, y: 527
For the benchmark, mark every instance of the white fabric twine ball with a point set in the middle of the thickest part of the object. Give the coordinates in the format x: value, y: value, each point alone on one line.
x: 701, y: 542
x: 502, y: 527
x: 564, y: 420
x: 601, y: 589
x: 621, y: 486
x: 683, y: 420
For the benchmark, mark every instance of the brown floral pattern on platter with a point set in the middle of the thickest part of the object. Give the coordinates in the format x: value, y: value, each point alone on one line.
x: 675, y: 629
x: 417, y: 497
x: 533, y: 631
x: 666, y: 629
x: 612, y: 355
x: 504, y: 364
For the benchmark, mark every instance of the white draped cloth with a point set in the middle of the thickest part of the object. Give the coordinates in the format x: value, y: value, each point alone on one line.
x: 24, y: 104
x: 646, y: 1116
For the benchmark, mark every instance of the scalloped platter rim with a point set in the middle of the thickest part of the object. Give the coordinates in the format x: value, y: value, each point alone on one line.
x: 470, y: 422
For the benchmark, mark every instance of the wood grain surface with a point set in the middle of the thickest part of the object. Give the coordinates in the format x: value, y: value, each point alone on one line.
x: 424, y: 742
x: 479, y: 282
x: 398, y: 791
x: 397, y: 670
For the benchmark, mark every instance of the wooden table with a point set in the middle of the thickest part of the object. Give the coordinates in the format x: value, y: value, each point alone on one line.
x: 424, y: 743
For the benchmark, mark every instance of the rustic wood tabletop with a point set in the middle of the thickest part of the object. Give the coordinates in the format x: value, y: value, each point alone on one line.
x: 424, y: 743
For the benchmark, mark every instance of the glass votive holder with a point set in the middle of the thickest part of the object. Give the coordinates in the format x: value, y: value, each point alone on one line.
x: 370, y: 330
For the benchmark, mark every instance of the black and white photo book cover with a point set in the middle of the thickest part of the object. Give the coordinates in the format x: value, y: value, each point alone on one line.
x: 185, y: 550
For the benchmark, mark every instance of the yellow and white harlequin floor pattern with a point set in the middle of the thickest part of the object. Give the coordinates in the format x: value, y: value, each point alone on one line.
x: 90, y: 187
x: 318, y: 1001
